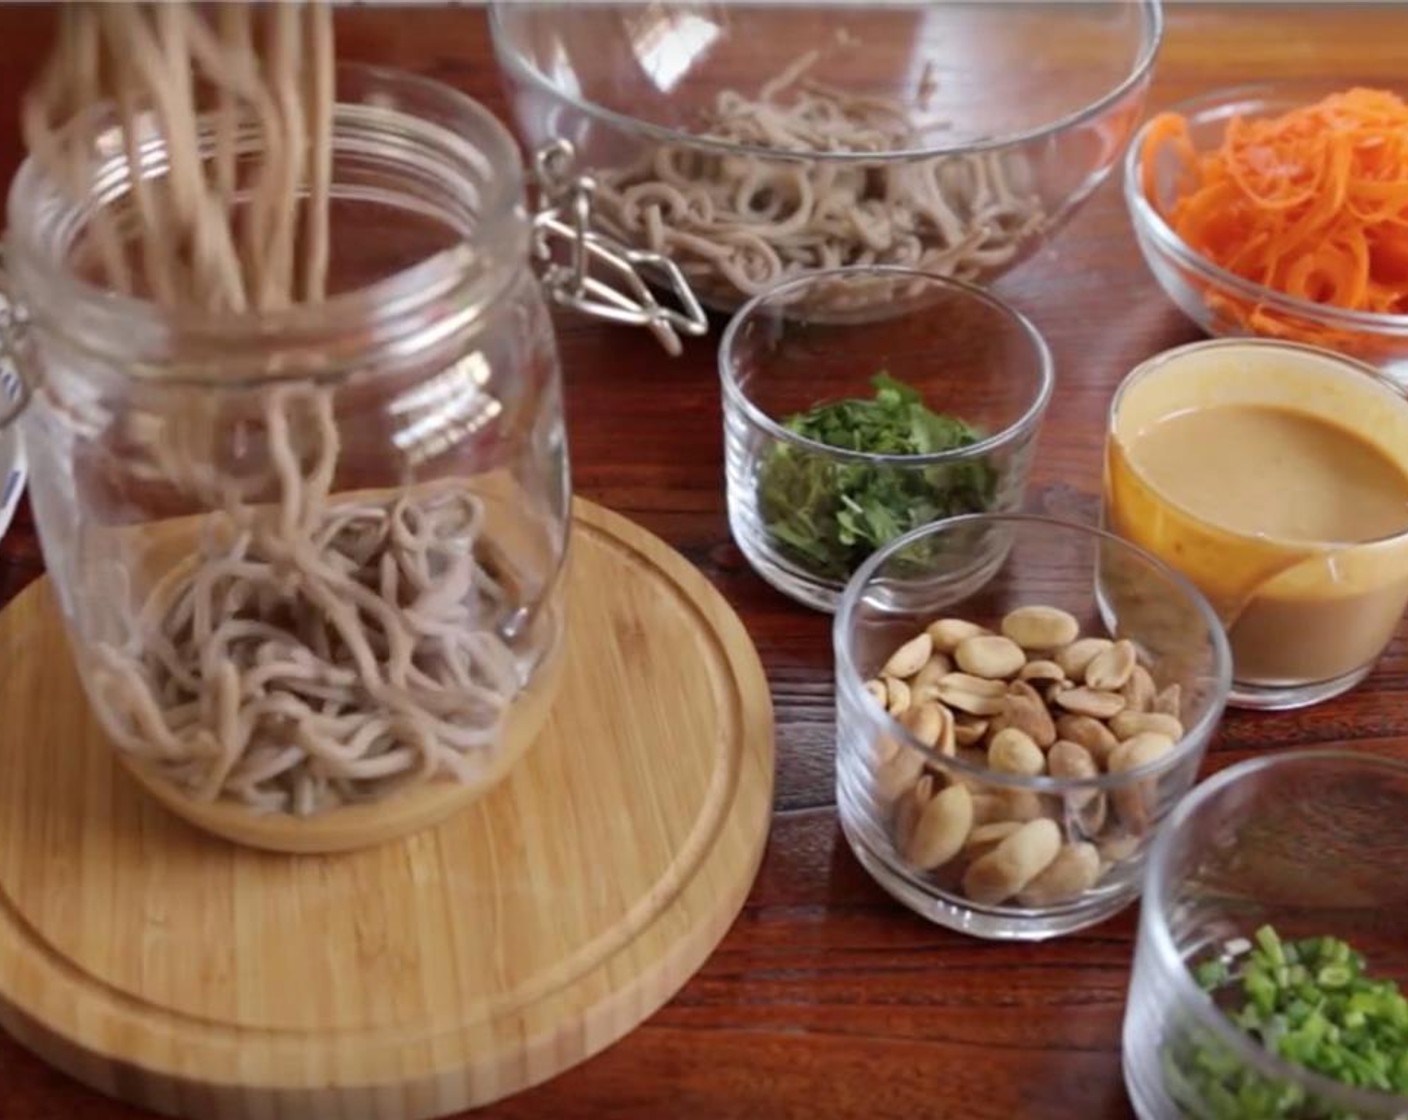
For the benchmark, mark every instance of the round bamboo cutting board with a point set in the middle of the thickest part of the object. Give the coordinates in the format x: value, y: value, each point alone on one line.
x: 423, y: 976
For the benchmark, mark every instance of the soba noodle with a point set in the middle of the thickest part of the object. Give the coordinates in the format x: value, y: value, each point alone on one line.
x: 314, y: 651
x: 738, y: 223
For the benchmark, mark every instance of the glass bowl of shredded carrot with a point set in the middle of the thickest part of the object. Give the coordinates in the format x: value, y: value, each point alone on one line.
x: 1282, y: 210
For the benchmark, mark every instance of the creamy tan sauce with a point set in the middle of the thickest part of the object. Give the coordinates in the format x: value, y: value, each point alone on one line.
x: 1262, y: 469
x: 1251, y: 500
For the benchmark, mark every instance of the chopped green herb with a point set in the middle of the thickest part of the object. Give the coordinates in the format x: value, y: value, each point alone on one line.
x: 828, y: 515
x: 1310, y: 1002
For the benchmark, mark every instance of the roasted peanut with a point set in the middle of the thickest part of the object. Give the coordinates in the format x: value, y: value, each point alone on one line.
x: 897, y: 695
x: 909, y: 658
x: 985, y: 837
x: 1090, y: 733
x: 974, y: 695
x: 1024, y: 805
x: 1013, y: 864
x: 926, y: 722
x: 909, y: 805
x: 1041, y: 672
x: 1139, y: 750
x: 1024, y: 709
x: 1128, y: 724
x: 1067, y: 759
x: 1109, y: 670
x: 1091, y: 702
x: 991, y: 805
x: 1138, y: 691
x: 1085, y: 808
x: 1013, y: 752
x: 988, y: 808
x: 1040, y: 628
x: 1035, y: 698
x: 948, y: 632
x: 968, y: 730
x: 946, y: 743
x: 1072, y: 761
x: 897, y: 773
x: 924, y: 685
x: 1073, y: 872
x: 1136, y: 803
x: 989, y: 656
x: 1074, y: 658
x: 942, y: 826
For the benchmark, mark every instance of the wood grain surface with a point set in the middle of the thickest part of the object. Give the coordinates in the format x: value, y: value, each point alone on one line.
x: 424, y: 975
x: 827, y: 1000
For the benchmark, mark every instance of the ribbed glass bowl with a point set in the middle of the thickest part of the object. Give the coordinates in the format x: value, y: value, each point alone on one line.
x: 978, y: 569
x: 1220, y: 302
x: 985, y: 126
x: 1312, y: 843
x: 791, y: 499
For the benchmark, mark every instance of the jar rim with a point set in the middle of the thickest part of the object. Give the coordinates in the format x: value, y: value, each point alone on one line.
x: 36, y: 205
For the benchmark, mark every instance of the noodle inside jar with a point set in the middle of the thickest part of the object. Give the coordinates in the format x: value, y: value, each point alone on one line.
x: 304, y: 491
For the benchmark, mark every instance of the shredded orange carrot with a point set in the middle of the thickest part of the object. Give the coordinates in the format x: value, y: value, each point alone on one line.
x: 1312, y: 203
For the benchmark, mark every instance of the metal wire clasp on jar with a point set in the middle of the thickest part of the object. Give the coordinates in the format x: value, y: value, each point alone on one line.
x: 311, y: 559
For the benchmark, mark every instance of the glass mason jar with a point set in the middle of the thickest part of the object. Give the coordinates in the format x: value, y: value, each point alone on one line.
x: 311, y: 561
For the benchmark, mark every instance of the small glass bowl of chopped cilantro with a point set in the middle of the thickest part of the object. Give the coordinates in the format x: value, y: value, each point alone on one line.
x: 1271, y: 973
x: 844, y: 432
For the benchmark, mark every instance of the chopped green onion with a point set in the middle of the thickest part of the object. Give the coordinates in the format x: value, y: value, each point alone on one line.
x: 1310, y: 1002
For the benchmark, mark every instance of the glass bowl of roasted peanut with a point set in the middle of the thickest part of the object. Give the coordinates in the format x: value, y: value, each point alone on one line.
x: 1020, y: 701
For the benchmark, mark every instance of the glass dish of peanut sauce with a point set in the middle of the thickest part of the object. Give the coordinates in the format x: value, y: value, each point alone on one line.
x: 1275, y: 477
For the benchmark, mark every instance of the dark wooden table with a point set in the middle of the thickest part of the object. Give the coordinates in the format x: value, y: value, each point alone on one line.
x: 827, y: 999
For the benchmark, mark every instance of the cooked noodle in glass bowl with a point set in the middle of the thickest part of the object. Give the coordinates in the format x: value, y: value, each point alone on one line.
x: 751, y: 143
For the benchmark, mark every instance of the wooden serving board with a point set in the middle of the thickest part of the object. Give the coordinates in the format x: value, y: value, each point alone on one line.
x: 429, y: 974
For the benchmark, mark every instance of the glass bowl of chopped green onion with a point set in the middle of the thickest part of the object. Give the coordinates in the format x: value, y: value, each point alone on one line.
x: 1272, y: 962
x: 841, y: 435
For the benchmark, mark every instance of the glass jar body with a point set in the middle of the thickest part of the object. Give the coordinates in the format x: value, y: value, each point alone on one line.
x: 311, y: 561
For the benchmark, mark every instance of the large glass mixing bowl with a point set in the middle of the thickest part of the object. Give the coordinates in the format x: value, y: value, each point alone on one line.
x: 752, y: 142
